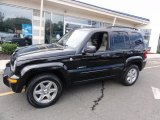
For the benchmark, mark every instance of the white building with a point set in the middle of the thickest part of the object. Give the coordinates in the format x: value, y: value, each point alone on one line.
x: 23, y: 17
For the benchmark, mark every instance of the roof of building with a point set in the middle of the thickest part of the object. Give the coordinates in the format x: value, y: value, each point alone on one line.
x: 112, y: 11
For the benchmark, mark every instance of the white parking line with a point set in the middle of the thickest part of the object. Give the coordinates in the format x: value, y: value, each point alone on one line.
x: 152, y: 67
x: 6, y: 93
x: 9, y: 93
x: 156, y: 92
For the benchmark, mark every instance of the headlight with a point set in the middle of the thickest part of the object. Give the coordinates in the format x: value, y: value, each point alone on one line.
x: 13, y: 67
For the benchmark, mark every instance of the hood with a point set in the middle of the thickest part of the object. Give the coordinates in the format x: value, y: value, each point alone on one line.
x: 41, y: 51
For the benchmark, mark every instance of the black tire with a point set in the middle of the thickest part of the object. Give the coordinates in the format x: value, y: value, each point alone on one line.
x: 124, y: 80
x: 35, y: 82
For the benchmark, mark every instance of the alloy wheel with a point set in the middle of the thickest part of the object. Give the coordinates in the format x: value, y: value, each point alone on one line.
x: 132, y: 75
x: 45, y: 91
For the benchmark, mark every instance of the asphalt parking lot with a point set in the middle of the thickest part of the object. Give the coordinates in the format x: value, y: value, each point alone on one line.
x: 95, y: 101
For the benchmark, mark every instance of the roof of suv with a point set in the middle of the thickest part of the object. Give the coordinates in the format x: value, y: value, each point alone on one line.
x: 127, y: 29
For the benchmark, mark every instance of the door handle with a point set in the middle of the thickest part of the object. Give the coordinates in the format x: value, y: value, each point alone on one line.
x: 129, y: 52
x: 81, y: 67
x: 106, y: 55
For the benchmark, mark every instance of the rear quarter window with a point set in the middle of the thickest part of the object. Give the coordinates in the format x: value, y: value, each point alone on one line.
x: 136, y: 40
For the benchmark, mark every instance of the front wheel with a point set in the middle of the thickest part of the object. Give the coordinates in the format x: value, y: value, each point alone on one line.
x: 44, y: 90
x: 130, y: 76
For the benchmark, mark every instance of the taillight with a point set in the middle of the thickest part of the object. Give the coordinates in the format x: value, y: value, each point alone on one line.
x: 145, y: 54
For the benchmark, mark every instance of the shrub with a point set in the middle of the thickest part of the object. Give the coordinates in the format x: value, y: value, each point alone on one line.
x: 8, y: 48
x: 158, y: 51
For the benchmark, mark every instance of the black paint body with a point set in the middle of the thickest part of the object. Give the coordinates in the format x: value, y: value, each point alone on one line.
x: 71, y: 65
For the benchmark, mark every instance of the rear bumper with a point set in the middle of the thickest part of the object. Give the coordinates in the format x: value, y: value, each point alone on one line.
x: 144, y: 63
x: 9, y: 74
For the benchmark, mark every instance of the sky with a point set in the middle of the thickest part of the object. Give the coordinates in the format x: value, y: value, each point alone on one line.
x: 142, y: 8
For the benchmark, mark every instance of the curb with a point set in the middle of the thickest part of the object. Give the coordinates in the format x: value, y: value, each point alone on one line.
x: 1, y: 72
x: 2, y: 69
x: 2, y: 65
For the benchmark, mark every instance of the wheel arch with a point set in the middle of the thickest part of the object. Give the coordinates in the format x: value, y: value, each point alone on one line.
x: 60, y: 71
x: 136, y: 60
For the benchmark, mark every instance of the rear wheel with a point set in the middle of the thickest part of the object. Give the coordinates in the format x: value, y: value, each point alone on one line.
x: 130, y: 76
x: 44, y: 90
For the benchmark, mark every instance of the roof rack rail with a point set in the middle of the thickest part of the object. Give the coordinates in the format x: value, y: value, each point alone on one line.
x: 122, y: 27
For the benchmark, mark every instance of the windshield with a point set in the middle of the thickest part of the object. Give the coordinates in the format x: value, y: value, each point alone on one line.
x: 73, y: 38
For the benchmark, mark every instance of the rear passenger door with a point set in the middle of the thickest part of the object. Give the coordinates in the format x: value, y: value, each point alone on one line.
x: 120, y: 47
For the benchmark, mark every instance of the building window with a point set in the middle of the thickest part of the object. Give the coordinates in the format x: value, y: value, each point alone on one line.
x: 96, y: 24
x: 78, y: 20
x: 74, y: 23
x: 146, y: 34
x: 15, y: 25
x: 48, y: 24
x: 105, y: 25
x: 56, y: 27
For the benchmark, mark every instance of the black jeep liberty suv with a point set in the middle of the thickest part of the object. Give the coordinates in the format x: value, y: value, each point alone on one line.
x: 81, y: 55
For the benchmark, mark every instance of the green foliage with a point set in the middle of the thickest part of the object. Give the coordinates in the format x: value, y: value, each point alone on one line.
x: 8, y: 48
x: 158, y: 51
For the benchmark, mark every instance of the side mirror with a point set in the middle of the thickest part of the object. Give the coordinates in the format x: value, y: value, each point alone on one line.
x: 90, y: 49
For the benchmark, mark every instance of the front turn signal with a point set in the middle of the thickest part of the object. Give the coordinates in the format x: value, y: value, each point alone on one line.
x: 13, y: 81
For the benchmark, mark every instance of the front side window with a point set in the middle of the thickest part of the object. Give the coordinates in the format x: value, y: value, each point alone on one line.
x: 99, y: 40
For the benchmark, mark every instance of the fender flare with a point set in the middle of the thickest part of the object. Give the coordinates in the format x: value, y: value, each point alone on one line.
x: 55, y: 65
x: 133, y: 59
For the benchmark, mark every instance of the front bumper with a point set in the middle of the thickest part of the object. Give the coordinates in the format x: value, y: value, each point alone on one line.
x: 8, y: 74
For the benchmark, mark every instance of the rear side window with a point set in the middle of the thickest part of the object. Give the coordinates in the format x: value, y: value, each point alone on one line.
x: 136, y: 40
x: 120, y: 40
